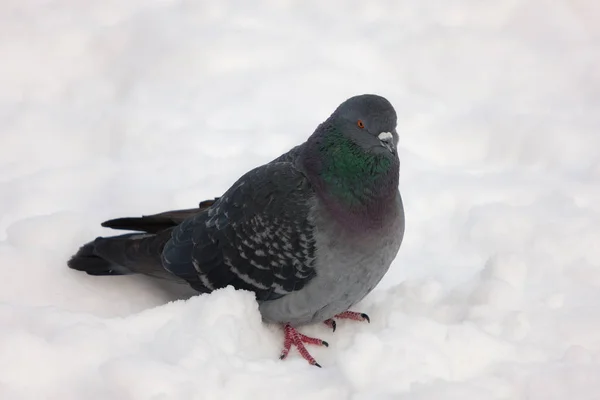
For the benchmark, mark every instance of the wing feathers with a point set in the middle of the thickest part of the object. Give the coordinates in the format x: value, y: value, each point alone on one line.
x: 257, y: 236
x: 157, y: 222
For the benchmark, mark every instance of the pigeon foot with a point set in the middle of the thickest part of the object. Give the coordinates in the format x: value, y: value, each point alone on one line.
x: 293, y: 337
x: 355, y: 316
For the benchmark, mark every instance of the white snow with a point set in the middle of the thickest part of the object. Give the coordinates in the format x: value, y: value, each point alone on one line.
x: 119, y: 108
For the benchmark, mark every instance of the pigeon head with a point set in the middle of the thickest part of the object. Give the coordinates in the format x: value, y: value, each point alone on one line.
x: 369, y: 121
x: 352, y: 159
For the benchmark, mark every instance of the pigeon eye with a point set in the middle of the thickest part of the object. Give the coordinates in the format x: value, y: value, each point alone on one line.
x: 360, y: 124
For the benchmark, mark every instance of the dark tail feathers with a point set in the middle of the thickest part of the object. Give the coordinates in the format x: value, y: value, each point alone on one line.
x: 133, y: 252
x: 122, y: 255
x: 87, y: 260
x: 157, y: 222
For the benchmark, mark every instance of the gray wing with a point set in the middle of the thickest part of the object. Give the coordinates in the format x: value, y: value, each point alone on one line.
x: 257, y: 236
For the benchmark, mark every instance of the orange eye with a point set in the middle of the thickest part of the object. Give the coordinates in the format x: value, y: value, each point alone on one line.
x: 360, y: 124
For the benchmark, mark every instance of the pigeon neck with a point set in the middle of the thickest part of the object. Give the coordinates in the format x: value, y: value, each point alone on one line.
x: 355, y: 185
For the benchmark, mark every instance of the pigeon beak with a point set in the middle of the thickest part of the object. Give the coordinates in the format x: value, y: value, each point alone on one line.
x: 387, y: 141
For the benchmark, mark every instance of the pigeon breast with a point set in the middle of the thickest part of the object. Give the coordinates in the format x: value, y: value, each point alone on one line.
x: 347, y: 266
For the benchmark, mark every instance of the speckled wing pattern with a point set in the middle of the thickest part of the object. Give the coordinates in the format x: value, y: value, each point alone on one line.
x: 257, y: 236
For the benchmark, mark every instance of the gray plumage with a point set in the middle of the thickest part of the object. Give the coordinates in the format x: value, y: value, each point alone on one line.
x: 310, y: 233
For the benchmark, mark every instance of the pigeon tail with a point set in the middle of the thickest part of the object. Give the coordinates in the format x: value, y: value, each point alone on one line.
x: 157, y: 222
x: 124, y: 254
x: 87, y: 260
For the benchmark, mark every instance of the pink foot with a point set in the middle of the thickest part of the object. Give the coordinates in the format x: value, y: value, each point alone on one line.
x: 355, y: 316
x: 293, y: 337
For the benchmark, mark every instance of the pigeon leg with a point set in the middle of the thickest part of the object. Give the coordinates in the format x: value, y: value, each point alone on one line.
x: 355, y: 316
x: 293, y: 337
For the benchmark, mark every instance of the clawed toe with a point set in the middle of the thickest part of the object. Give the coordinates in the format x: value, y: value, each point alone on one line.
x: 355, y: 316
x: 293, y: 337
x: 330, y: 323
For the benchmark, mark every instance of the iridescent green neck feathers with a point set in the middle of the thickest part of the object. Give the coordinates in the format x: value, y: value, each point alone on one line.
x: 351, y: 174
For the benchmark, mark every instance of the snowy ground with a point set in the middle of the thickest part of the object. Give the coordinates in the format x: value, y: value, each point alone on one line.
x: 119, y: 108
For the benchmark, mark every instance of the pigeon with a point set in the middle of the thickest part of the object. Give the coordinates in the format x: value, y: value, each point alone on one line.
x: 310, y: 233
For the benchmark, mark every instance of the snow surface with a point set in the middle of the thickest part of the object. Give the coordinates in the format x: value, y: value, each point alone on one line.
x: 118, y: 108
